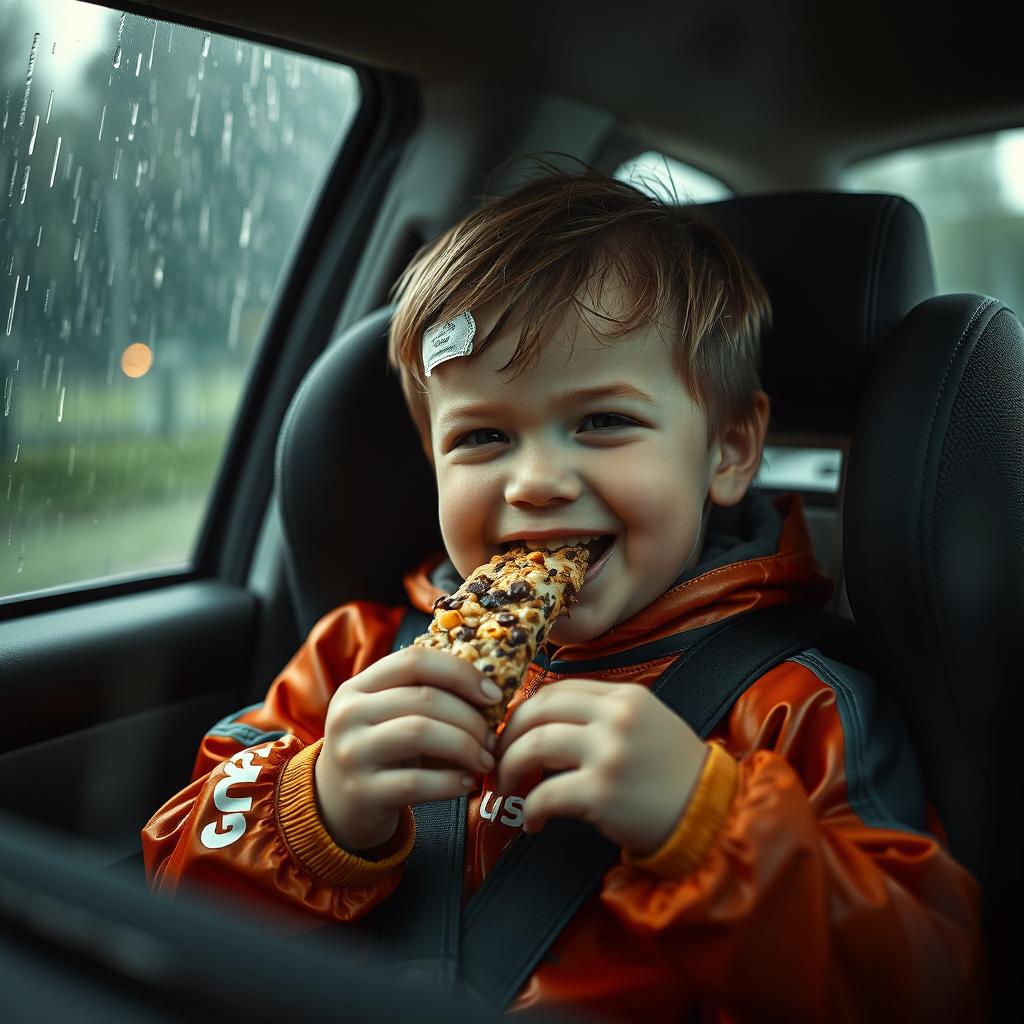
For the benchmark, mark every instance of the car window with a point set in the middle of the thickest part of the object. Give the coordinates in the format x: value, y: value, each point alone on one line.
x: 156, y: 179
x: 671, y: 180
x: 970, y: 192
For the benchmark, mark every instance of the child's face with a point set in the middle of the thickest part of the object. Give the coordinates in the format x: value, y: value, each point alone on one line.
x: 535, y: 457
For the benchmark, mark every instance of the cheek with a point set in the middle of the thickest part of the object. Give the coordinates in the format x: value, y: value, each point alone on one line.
x: 658, y: 499
x: 462, y: 513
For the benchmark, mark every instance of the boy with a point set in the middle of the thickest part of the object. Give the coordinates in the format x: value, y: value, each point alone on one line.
x: 603, y: 385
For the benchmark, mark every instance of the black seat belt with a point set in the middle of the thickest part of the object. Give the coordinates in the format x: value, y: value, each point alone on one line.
x: 541, y: 880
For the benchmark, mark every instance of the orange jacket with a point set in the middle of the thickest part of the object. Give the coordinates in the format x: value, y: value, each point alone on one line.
x: 808, y: 879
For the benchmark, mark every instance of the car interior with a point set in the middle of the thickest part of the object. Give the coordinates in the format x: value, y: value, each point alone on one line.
x: 916, y: 388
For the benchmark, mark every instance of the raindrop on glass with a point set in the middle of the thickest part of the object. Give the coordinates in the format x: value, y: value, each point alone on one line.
x: 56, y: 157
x: 225, y: 138
x: 28, y: 79
x: 14, y: 302
x: 243, y: 236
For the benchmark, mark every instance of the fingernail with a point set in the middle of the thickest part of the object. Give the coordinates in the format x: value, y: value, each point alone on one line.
x: 489, y: 690
x: 486, y: 760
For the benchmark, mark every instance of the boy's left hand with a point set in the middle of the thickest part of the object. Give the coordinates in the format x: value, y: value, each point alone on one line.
x: 626, y: 763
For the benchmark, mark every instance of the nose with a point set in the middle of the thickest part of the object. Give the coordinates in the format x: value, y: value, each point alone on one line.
x: 541, y: 476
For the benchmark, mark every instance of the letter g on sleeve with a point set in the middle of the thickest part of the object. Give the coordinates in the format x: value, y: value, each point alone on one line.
x: 231, y: 824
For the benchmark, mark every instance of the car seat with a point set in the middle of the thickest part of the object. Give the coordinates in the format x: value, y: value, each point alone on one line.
x: 926, y: 394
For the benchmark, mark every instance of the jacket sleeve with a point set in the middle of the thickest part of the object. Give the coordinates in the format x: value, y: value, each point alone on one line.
x: 248, y: 823
x: 801, y: 882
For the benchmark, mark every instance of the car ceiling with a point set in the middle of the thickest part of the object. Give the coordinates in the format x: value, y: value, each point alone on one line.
x: 761, y: 94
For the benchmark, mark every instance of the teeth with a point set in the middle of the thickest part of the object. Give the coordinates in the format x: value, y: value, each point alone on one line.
x: 556, y: 542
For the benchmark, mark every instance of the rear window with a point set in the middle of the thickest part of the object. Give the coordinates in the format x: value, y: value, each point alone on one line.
x: 970, y: 192
x: 671, y: 180
x: 157, y: 178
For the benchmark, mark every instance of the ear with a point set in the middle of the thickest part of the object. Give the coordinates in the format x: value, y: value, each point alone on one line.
x: 736, y: 455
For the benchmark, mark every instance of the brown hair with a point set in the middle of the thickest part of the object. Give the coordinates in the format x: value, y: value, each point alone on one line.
x: 540, y: 248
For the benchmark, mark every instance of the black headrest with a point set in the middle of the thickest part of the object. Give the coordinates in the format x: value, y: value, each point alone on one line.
x: 933, y: 535
x: 357, y: 497
x: 842, y: 270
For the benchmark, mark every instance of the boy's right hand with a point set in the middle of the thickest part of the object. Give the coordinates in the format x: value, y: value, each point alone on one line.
x: 404, y: 731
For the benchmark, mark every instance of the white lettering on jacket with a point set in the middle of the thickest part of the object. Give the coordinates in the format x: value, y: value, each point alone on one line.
x: 513, y: 816
x: 240, y: 769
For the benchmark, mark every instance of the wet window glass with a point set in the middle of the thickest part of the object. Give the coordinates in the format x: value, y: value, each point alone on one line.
x: 970, y: 192
x: 155, y: 179
x: 670, y: 180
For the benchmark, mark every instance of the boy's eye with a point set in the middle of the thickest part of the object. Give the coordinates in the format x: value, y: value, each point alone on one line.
x: 475, y: 438
x: 603, y: 420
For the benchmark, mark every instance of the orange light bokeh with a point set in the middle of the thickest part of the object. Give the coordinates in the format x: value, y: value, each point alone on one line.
x: 136, y: 360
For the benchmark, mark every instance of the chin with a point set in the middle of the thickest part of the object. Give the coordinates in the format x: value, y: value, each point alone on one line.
x: 577, y: 630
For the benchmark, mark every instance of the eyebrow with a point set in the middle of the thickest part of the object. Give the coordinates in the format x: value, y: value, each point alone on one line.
x: 620, y: 389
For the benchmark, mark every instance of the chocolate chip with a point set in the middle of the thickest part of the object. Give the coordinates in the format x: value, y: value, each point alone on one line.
x: 507, y: 619
x: 476, y: 587
x: 454, y: 603
x: 552, y: 572
x: 485, y: 580
x: 488, y: 668
x: 487, y: 601
x: 465, y: 633
x: 520, y: 589
x: 440, y: 601
x: 501, y: 596
x: 518, y: 635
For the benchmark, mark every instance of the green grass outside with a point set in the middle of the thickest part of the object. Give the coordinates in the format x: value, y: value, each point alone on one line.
x: 109, y: 507
x: 127, y: 540
x: 101, y: 475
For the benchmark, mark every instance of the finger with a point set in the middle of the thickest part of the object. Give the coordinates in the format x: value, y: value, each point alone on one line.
x: 562, y: 796
x: 427, y: 701
x: 405, y: 786
x: 415, y: 666
x: 415, y: 736
x: 554, y: 746
x: 550, y: 705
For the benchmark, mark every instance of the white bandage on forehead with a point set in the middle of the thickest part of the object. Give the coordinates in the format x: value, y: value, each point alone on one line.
x: 449, y: 340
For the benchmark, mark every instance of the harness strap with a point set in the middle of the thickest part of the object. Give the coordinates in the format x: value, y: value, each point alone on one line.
x: 541, y: 880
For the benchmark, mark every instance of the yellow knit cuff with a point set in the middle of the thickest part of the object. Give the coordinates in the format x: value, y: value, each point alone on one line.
x: 304, y: 832
x: 701, y: 821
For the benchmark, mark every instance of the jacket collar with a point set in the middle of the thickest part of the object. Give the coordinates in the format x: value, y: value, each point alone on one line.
x: 757, y: 553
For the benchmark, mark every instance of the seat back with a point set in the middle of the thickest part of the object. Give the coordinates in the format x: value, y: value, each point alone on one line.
x: 934, y: 541
x: 842, y: 270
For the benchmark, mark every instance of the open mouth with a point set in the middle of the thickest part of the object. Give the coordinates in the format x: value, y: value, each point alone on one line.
x: 597, y: 547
